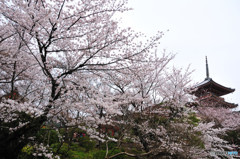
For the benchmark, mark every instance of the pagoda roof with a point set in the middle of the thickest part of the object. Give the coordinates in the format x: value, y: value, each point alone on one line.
x: 208, y: 85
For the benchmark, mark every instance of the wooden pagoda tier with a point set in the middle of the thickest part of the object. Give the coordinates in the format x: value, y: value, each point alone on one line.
x: 210, y: 86
x: 209, y: 92
x: 215, y: 101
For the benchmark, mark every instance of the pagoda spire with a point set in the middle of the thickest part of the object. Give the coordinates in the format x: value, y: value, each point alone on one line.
x: 207, y: 70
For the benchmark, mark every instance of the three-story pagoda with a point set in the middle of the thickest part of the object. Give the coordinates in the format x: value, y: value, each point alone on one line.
x: 209, y: 92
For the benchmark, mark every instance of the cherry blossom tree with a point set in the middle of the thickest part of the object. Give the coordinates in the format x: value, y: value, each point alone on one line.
x: 170, y: 129
x: 69, y: 63
x: 226, y: 122
x: 54, y: 54
x: 153, y: 126
x: 223, y: 117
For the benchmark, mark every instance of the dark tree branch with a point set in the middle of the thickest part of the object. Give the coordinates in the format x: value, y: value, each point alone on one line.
x: 59, y: 13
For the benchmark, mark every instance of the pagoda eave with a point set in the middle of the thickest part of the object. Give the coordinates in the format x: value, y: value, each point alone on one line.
x: 210, y: 85
x: 212, y: 100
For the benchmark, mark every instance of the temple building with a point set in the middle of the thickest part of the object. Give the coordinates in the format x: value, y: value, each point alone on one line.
x: 209, y: 92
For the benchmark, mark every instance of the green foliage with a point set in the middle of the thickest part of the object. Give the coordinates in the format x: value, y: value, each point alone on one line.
x: 78, y: 146
x: 116, y: 151
x: 128, y: 140
x: 80, y: 155
x: 73, y: 150
x: 26, y: 152
x: 47, y: 136
x: 195, y: 140
x: 192, y: 119
x: 99, y: 154
x: 233, y: 137
x: 111, y: 145
x: 61, y: 149
x: 87, y: 143
x: 27, y: 149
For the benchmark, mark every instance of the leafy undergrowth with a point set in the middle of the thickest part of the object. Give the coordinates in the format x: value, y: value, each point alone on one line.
x: 81, y: 147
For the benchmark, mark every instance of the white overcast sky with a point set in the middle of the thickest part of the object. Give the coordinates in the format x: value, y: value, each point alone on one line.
x: 197, y: 28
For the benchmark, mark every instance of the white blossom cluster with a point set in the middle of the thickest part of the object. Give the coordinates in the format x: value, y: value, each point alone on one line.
x: 11, y: 110
x: 44, y: 151
x: 223, y: 116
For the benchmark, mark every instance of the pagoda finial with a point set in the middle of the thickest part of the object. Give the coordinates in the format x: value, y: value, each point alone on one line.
x: 207, y: 70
